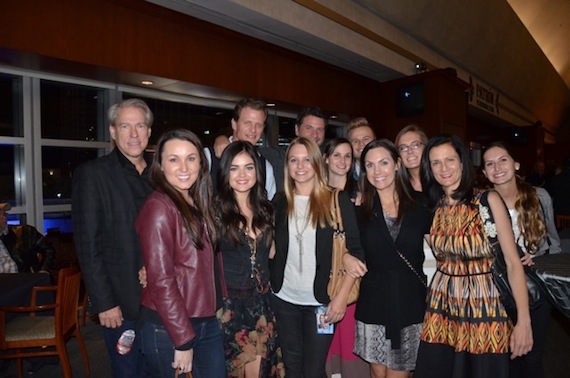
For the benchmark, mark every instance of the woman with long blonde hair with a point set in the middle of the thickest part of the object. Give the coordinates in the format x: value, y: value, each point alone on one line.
x: 302, y: 262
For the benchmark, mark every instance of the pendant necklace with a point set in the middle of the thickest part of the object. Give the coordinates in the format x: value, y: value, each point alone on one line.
x: 252, y: 242
x: 300, y: 231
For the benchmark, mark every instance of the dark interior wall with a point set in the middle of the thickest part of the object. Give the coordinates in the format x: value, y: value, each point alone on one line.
x: 136, y: 36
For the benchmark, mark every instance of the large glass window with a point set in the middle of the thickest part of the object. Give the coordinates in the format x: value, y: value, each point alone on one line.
x: 11, y: 106
x: 71, y: 111
x: 12, y: 174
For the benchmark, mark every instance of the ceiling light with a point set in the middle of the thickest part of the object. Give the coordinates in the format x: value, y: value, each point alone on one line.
x: 147, y: 82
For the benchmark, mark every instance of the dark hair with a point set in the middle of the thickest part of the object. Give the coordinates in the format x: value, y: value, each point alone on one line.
x: 198, y: 214
x: 310, y: 111
x: 411, y: 128
x: 403, y: 188
x: 250, y: 102
x: 330, y: 147
x: 229, y: 220
x: 431, y: 187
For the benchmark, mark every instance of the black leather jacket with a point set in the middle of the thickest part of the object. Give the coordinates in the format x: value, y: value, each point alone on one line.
x: 24, y: 244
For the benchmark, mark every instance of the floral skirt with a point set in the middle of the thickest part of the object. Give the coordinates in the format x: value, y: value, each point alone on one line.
x: 248, y: 329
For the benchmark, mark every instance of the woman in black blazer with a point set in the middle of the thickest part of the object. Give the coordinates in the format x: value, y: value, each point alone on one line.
x: 302, y: 262
x: 391, y: 305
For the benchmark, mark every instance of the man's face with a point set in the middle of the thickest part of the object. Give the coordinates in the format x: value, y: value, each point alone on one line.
x: 130, y: 132
x: 312, y: 128
x: 249, y: 126
x: 359, y: 138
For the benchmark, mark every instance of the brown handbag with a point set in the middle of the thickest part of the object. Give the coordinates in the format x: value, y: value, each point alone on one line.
x: 339, y: 249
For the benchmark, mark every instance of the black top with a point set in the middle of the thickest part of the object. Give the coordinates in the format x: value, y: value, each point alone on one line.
x: 390, y: 293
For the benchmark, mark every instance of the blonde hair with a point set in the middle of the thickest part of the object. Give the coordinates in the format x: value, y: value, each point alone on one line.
x: 320, y: 199
x: 358, y: 122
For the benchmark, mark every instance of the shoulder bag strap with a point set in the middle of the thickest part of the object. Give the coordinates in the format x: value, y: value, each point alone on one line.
x: 338, y: 227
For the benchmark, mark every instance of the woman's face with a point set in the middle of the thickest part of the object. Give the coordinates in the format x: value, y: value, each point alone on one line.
x: 410, y: 148
x: 180, y: 164
x: 242, y: 175
x: 446, y: 166
x: 380, y: 168
x: 300, y: 164
x: 340, y: 160
x: 498, y: 166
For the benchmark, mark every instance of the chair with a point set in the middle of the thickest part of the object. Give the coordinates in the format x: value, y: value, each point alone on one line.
x: 562, y: 221
x: 46, y: 334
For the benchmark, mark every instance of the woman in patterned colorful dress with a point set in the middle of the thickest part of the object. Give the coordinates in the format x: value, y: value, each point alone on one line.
x: 466, y: 331
x: 244, y: 221
x: 532, y: 217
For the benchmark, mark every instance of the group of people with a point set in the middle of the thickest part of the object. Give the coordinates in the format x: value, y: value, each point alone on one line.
x: 235, y: 284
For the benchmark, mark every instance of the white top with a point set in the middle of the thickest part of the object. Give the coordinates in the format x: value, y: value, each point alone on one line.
x: 301, y: 266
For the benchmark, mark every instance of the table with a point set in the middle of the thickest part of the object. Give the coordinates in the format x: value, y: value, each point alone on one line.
x: 555, y: 272
x: 16, y: 288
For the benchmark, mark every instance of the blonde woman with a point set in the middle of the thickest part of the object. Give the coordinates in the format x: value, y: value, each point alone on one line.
x: 302, y: 262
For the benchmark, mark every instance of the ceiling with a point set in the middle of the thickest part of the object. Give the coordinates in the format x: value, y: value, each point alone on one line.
x: 518, y: 47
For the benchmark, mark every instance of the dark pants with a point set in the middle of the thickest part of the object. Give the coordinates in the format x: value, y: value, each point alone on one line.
x: 304, y: 351
x: 208, y: 359
x: 130, y: 364
x: 530, y: 365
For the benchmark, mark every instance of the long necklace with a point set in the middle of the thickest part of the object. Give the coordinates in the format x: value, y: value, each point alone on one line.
x: 252, y: 242
x: 300, y: 231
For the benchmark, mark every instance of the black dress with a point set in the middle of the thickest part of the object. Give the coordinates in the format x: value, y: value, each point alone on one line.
x: 247, y: 321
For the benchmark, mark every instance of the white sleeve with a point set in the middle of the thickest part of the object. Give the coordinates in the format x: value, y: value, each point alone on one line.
x: 270, y: 185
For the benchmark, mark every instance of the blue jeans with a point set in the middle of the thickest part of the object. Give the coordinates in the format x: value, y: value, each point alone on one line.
x: 130, y: 364
x: 208, y: 360
x: 304, y: 350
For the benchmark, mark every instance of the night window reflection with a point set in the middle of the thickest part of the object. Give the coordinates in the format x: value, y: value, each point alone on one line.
x: 58, y: 164
x: 71, y: 111
x: 11, y: 106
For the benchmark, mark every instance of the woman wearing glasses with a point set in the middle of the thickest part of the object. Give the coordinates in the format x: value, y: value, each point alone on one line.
x: 244, y: 221
x: 410, y: 143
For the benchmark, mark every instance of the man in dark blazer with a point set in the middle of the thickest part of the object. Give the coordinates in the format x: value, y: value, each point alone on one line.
x: 107, y: 195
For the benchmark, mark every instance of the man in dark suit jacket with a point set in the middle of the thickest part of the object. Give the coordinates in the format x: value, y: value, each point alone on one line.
x: 107, y: 195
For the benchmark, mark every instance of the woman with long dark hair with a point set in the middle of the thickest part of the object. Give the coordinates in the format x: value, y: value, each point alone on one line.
x: 530, y: 209
x: 244, y: 222
x: 184, y: 281
x: 391, y: 304
x: 466, y: 330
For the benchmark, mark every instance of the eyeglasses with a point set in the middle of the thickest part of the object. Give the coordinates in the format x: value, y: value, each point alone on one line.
x: 413, y: 146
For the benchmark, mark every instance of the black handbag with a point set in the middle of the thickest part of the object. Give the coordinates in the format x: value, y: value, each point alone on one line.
x: 534, y: 284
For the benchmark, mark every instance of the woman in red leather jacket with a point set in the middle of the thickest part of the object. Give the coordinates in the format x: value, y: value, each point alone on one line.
x: 179, y: 329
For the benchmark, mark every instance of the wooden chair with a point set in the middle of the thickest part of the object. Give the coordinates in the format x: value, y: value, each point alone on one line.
x: 47, y: 334
x: 562, y: 221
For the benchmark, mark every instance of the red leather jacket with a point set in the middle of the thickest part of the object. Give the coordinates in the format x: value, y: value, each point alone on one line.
x: 180, y: 278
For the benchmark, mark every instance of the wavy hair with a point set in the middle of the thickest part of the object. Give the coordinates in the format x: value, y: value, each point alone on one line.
x: 530, y: 219
x: 320, y: 198
x: 403, y: 188
x: 434, y: 191
x: 199, y: 214
x: 329, y: 149
x: 229, y: 220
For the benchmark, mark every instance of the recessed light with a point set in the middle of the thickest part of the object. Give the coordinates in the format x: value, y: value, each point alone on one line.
x: 333, y: 117
x: 147, y: 82
x: 271, y: 104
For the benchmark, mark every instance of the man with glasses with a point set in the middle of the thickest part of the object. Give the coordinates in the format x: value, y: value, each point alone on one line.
x: 360, y: 133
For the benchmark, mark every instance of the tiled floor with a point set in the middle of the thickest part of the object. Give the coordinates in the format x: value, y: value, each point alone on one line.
x: 557, y: 354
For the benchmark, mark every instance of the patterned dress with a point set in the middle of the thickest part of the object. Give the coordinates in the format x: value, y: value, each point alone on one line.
x: 466, y: 329
x: 247, y: 321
